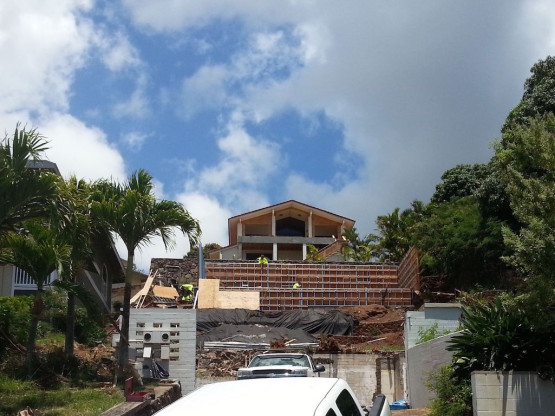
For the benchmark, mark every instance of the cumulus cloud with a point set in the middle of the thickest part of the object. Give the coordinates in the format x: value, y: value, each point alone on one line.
x: 211, y: 215
x: 413, y: 89
x: 81, y: 150
x: 137, y: 105
x: 39, y: 76
x: 43, y: 45
x: 245, y: 163
x: 117, y: 52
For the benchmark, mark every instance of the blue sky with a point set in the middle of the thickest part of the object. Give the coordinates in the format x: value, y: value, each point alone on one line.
x: 355, y: 107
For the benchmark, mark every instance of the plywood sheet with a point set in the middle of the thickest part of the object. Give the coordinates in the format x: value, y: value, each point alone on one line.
x: 208, y: 293
x: 240, y: 300
x: 165, y: 291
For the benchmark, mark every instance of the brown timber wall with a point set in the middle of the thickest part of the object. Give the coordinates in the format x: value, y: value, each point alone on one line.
x: 323, y: 284
x: 409, y: 270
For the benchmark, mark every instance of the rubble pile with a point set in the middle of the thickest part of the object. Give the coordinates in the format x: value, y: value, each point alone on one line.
x: 222, y: 363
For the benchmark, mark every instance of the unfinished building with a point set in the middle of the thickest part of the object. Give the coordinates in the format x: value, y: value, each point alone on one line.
x: 231, y: 277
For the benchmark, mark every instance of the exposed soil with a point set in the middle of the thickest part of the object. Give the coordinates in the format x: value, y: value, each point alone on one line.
x: 377, y: 328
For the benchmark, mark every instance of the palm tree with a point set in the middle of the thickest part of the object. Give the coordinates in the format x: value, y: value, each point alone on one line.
x: 24, y: 193
x: 38, y: 252
x: 357, y: 248
x: 77, y: 230
x: 132, y: 212
x: 395, y: 231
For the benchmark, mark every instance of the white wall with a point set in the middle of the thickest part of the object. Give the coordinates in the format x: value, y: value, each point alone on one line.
x: 181, y: 325
x: 511, y: 394
x: 421, y: 360
x: 445, y: 315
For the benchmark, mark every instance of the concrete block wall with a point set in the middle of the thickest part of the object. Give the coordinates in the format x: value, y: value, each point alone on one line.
x: 421, y: 360
x: 180, y: 324
x: 445, y: 315
x: 363, y: 375
x: 511, y: 394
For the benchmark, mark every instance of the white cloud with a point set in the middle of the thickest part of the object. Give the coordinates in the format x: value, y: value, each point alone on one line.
x: 205, y: 89
x: 137, y: 106
x: 172, y: 15
x: 244, y: 166
x: 212, y: 216
x: 41, y: 44
x: 135, y: 140
x: 81, y: 150
x: 117, y: 52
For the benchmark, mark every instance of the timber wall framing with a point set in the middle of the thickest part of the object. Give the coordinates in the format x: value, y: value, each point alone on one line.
x: 321, y: 284
x: 409, y: 270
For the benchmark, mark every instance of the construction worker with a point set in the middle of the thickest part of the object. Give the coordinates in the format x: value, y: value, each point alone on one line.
x: 186, y: 292
x: 296, y: 285
x: 262, y: 260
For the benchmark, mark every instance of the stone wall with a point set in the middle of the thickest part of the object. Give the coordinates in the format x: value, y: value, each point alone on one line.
x: 182, y: 270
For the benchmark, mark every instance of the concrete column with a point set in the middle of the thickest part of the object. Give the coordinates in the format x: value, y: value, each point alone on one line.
x: 309, y: 229
x: 274, y: 251
x: 304, y: 251
x: 239, y: 229
x: 273, y: 224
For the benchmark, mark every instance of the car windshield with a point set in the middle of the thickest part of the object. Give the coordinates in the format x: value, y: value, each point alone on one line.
x: 261, y: 361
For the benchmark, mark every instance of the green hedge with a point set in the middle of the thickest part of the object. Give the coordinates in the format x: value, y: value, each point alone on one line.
x: 15, y: 318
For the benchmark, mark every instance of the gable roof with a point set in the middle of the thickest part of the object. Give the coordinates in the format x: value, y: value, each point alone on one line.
x: 290, y: 204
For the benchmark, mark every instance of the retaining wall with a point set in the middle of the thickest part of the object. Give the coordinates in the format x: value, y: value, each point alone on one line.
x: 511, y: 394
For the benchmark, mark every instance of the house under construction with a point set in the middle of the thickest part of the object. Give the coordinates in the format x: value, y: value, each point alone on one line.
x: 231, y: 277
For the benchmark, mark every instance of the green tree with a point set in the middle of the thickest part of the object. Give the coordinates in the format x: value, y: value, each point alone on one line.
x: 24, y: 193
x: 457, y: 244
x: 357, y: 248
x: 395, y: 232
x: 206, y: 248
x: 538, y: 97
x: 83, y: 235
x: 452, y: 397
x: 131, y: 211
x: 504, y: 336
x: 462, y: 180
x: 526, y: 160
x: 38, y: 251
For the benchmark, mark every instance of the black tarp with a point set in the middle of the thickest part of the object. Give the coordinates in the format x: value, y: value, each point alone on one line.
x: 254, y: 334
x: 312, y: 321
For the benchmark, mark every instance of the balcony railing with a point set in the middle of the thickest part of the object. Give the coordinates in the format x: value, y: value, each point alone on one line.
x: 22, y: 281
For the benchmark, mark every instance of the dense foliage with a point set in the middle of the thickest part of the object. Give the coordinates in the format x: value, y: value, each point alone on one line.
x: 526, y: 160
x: 452, y: 398
x: 15, y: 318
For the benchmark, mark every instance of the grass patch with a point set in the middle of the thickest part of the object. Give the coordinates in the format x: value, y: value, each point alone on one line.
x: 51, y: 338
x: 17, y: 395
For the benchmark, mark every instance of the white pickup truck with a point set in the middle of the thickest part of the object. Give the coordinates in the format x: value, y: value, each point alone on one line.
x: 284, y: 364
x: 299, y: 396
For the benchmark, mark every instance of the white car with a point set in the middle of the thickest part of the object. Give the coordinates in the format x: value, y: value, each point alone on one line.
x: 280, y: 365
x: 300, y: 396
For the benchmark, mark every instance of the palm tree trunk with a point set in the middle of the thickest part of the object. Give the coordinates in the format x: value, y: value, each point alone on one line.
x: 38, y: 306
x: 70, y: 326
x: 124, y: 335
